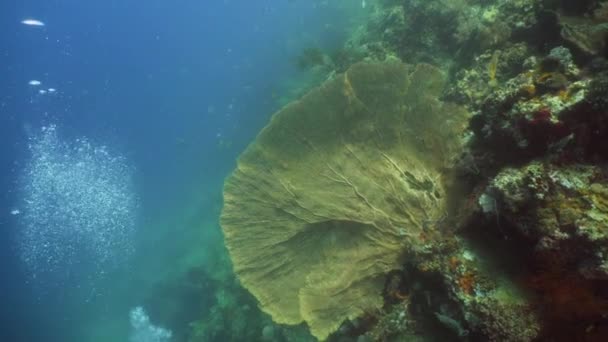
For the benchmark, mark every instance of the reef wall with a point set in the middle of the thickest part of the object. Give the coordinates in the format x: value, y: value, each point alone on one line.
x: 515, y: 245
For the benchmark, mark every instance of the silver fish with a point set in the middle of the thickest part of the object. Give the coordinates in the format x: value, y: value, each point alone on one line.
x: 32, y: 22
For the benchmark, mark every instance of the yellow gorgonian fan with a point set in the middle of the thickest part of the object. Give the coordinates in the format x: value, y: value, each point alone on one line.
x: 332, y: 192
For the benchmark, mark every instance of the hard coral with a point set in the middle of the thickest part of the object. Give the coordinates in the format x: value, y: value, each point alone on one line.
x: 503, y: 321
x: 466, y: 282
x: 589, y: 35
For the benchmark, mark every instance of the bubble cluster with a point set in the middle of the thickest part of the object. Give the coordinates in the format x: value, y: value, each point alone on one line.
x: 78, y: 209
x: 143, y: 330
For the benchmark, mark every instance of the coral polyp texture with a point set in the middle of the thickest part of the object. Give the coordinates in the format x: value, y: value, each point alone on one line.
x: 337, y: 189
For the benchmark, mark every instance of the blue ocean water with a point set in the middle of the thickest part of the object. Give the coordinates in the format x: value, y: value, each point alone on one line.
x: 149, y: 103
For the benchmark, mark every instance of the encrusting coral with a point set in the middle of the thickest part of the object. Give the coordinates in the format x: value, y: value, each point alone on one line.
x: 339, y: 184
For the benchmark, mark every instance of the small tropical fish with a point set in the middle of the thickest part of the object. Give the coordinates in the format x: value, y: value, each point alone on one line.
x: 32, y: 22
x: 15, y: 212
x: 42, y: 91
x: 559, y: 145
x: 493, y: 67
x: 52, y: 90
x: 34, y: 82
x: 363, y: 4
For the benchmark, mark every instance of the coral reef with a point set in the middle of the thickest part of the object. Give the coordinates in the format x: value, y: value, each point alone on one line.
x: 589, y: 34
x: 560, y: 208
x: 353, y: 215
x: 539, y: 178
x: 437, y: 31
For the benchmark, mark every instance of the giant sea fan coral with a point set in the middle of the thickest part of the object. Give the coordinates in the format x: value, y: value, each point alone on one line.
x: 336, y: 188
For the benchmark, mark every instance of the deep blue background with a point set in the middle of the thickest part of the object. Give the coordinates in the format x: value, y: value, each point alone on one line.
x: 180, y: 87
